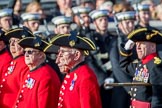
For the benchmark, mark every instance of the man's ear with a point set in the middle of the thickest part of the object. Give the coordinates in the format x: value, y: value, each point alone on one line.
x: 77, y: 55
x: 137, y: 17
x: 41, y: 55
x: 153, y: 47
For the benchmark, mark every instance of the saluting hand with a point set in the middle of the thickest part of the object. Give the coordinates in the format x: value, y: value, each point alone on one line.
x: 129, y: 45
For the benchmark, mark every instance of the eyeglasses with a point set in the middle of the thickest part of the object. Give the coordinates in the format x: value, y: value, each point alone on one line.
x: 30, y: 52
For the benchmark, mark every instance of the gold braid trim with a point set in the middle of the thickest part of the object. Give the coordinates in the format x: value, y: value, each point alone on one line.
x: 136, y: 31
x: 124, y: 54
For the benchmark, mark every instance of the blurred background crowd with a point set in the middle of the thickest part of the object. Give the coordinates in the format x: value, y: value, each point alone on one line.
x: 53, y: 8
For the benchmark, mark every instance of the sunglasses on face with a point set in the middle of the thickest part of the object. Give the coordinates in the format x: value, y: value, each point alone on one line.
x: 30, y: 51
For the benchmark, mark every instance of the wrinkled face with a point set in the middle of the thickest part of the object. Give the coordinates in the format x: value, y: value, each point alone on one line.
x: 101, y: 23
x: 6, y: 22
x: 65, y: 59
x: 63, y: 29
x: 32, y: 25
x: 145, y: 48
x: 144, y: 17
x: 86, y: 19
x: 15, y: 48
x: 126, y: 26
x: 31, y: 56
x: 2, y: 45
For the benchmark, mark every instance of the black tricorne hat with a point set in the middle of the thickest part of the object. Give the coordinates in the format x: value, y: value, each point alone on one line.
x: 73, y: 41
x: 33, y: 42
x: 20, y: 33
x: 146, y: 34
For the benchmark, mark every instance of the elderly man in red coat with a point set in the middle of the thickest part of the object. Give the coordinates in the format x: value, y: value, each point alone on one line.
x: 15, y: 70
x: 79, y: 88
x: 40, y: 86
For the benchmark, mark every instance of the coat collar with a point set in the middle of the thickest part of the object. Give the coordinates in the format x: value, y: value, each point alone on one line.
x: 148, y: 58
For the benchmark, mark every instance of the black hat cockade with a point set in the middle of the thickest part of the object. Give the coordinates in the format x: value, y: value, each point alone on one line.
x: 146, y: 34
x: 33, y: 42
x: 73, y: 41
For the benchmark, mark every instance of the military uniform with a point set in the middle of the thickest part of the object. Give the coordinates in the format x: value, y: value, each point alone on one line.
x: 4, y: 53
x: 40, y: 86
x: 10, y: 82
x: 121, y: 101
x: 148, y: 70
x: 4, y: 62
x: 39, y: 89
x: 83, y: 30
x: 11, y: 79
x: 100, y: 59
x: 119, y: 75
x: 145, y: 8
x: 49, y: 60
x: 100, y: 62
x: 80, y: 88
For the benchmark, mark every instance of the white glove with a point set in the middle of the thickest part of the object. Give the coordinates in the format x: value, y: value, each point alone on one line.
x: 109, y: 81
x: 129, y: 45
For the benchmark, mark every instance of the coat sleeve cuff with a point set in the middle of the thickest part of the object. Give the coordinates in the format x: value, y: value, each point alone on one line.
x: 124, y: 52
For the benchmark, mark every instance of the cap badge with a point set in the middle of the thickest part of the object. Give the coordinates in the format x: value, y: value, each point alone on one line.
x: 23, y: 36
x: 37, y: 44
x: 72, y: 43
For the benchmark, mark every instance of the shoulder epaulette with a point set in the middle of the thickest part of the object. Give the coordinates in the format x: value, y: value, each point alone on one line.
x: 157, y: 60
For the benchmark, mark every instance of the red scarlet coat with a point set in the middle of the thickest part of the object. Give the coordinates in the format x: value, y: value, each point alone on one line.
x: 11, y: 81
x: 40, y: 89
x: 80, y: 89
x: 5, y: 58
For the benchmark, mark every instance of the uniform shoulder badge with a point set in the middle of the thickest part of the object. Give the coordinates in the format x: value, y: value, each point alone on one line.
x: 157, y: 60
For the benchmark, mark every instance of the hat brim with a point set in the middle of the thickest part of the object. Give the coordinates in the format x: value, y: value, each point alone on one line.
x: 52, y: 49
x: 145, y: 34
x: 17, y: 33
x: 28, y: 42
